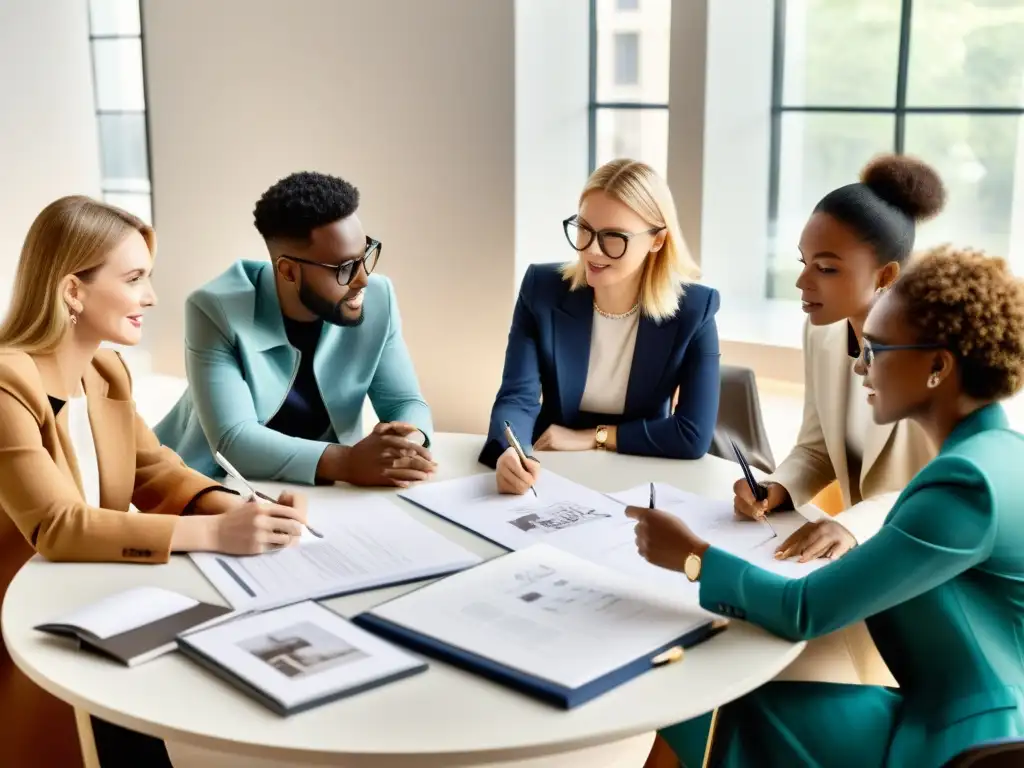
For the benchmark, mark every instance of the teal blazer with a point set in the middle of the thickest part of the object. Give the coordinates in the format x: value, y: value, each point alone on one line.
x: 941, y: 587
x: 240, y: 368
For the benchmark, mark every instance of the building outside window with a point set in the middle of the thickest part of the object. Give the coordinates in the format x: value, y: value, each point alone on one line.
x: 629, y: 81
x: 115, y: 32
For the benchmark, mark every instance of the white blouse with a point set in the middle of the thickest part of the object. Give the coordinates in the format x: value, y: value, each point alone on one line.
x: 612, y: 342
x: 80, y: 432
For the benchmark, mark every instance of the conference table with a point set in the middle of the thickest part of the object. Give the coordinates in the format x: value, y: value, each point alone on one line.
x: 445, y: 717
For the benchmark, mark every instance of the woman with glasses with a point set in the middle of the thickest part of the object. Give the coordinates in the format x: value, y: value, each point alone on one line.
x: 940, y: 585
x: 74, y: 454
x: 282, y: 355
x: 852, y: 248
x: 600, y: 347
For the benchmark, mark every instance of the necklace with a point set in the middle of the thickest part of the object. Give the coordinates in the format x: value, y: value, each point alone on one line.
x: 612, y: 316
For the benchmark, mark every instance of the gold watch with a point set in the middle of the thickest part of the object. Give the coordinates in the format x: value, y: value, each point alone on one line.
x: 691, y: 566
x: 601, y: 438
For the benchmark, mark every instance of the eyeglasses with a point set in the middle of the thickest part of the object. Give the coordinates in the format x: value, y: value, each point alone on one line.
x: 870, y: 348
x: 348, y: 269
x: 612, y: 244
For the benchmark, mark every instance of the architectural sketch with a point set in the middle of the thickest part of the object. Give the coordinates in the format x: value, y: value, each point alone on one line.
x: 554, y: 517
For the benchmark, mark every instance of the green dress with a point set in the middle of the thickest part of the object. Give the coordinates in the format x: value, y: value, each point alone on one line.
x: 941, y: 587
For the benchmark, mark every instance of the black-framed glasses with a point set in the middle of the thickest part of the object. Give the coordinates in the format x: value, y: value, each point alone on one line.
x: 869, y: 349
x: 348, y: 269
x: 612, y: 244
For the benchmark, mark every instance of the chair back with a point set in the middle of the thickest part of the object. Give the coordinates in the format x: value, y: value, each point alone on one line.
x: 739, y: 418
x: 1003, y: 753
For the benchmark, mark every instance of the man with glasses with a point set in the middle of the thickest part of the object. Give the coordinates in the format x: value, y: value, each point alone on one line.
x: 282, y: 355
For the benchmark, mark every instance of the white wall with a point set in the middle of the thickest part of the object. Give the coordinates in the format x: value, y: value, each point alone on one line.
x: 48, y: 145
x: 412, y: 101
x: 552, y: 95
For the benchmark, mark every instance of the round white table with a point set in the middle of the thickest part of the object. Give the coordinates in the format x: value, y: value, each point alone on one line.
x: 445, y: 717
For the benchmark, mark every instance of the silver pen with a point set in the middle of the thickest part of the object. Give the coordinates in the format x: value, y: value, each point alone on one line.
x: 227, y: 467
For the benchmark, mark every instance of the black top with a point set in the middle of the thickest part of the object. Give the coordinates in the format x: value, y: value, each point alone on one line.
x: 56, y: 404
x: 303, y: 413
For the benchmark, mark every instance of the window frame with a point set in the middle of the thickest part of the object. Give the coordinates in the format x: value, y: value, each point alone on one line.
x: 594, y: 105
x: 899, y: 110
x: 105, y: 188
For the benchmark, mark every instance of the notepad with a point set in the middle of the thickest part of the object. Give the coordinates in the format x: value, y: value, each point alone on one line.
x: 136, y: 625
x: 297, y: 657
x: 368, y: 543
x: 543, y: 621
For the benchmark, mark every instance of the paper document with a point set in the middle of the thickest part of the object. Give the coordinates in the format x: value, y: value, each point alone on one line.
x: 126, y: 610
x: 368, y: 542
x: 564, y: 514
x: 546, y: 613
x: 714, y: 521
x: 717, y: 523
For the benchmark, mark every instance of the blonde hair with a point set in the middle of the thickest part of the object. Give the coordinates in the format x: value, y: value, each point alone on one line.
x: 71, y: 236
x: 667, y: 271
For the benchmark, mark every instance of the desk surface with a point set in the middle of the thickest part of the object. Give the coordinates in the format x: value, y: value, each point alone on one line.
x: 448, y: 714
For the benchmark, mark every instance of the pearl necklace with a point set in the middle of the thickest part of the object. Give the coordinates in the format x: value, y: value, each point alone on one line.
x: 612, y: 316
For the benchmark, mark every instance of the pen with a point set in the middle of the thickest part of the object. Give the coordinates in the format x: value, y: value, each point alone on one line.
x: 759, y: 491
x: 652, y: 502
x: 510, y: 435
x: 227, y: 467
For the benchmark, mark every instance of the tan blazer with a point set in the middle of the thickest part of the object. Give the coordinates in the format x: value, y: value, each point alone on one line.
x: 893, y: 454
x: 45, y: 511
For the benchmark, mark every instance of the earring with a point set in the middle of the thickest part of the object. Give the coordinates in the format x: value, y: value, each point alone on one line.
x: 933, y: 380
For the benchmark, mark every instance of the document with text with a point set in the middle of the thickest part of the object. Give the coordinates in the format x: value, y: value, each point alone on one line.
x: 369, y: 542
x: 543, y: 613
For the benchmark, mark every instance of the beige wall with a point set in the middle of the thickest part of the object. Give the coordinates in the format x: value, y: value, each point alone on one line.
x: 412, y: 101
x: 47, y: 122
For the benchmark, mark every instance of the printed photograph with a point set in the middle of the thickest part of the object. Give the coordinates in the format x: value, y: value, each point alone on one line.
x: 301, y: 650
x: 554, y: 517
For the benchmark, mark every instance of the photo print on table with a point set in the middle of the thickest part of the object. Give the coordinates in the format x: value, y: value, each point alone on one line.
x: 301, y: 650
x: 554, y: 517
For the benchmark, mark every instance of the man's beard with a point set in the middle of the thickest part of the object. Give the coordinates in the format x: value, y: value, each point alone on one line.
x: 324, y: 309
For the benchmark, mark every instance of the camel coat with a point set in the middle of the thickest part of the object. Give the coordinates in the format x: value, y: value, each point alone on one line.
x: 44, y: 511
x: 892, y: 455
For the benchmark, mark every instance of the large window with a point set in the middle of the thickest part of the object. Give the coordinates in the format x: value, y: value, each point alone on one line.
x: 629, y: 58
x: 938, y: 79
x: 115, y: 32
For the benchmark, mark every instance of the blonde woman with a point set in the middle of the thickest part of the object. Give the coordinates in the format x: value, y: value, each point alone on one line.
x: 599, y: 347
x: 74, y: 454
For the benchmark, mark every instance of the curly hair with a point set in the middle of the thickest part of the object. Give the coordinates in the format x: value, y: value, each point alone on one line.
x: 302, y: 202
x: 971, y: 304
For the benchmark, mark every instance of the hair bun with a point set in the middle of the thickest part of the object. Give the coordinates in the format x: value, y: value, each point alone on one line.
x: 907, y: 183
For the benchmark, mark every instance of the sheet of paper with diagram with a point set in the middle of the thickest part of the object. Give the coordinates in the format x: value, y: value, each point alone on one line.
x: 528, y: 614
x: 564, y: 514
x: 368, y: 542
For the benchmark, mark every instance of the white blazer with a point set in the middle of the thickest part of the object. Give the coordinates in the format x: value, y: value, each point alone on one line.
x: 893, y: 453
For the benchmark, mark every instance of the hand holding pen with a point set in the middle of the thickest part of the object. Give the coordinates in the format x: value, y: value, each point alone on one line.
x: 753, y: 499
x: 253, y: 493
x: 516, y: 473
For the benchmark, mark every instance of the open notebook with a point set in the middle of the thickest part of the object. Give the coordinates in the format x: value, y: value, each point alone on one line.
x: 136, y: 625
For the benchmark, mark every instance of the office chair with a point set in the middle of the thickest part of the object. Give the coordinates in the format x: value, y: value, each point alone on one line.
x: 739, y: 418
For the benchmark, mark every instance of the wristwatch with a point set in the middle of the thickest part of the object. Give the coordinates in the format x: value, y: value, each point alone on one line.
x: 601, y: 437
x: 691, y: 566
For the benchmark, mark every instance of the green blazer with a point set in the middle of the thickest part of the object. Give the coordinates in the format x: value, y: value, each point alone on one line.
x: 240, y: 368
x: 941, y: 587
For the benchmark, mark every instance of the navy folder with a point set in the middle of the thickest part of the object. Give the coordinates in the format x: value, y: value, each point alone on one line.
x: 538, y: 687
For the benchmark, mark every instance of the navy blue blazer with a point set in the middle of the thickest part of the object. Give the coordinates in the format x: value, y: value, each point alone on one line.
x: 546, y: 370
